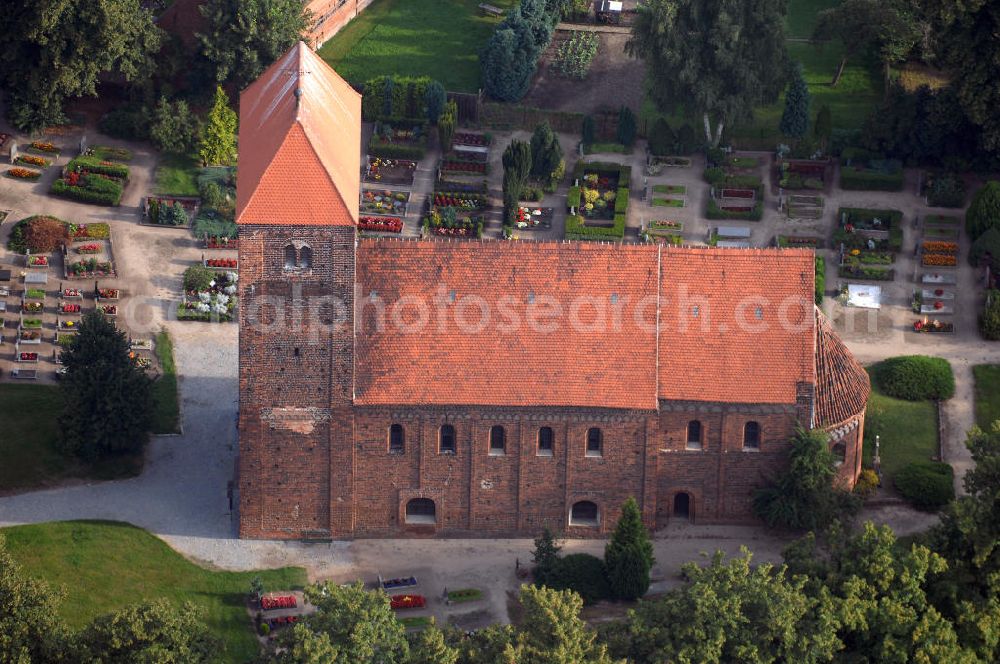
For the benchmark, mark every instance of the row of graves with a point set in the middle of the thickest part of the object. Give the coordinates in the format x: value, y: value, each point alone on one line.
x: 458, y: 205
x: 97, y: 175
x: 736, y: 187
x: 937, y: 275
x: 598, y: 201
x: 394, y: 151
x: 43, y: 298
x: 802, y: 184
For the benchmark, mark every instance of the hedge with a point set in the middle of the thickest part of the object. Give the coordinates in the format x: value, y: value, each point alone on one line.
x: 573, y: 197
x: 580, y: 572
x: 865, y: 180
x: 95, y: 165
x: 576, y: 230
x: 927, y: 485
x: 92, y: 189
x: 820, y: 279
x: 621, y: 200
x: 381, y: 148
x: 407, y: 98
x: 715, y: 212
x: 915, y: 377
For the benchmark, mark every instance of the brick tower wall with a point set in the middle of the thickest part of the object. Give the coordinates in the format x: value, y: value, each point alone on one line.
x: 296, y: 383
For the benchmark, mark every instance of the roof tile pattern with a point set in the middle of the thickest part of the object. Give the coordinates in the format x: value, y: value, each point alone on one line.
x: 735, y: 324
x: 842, y: 385
x: 524, y: 354
x: 300, y: 142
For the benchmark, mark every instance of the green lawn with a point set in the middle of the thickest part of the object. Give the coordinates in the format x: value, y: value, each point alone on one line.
x: 167, y: 414
x: 104, y: 566
x: 907, y: 432
x: 177, y: 175
x: 29, y: 442
x: 987, y: 394
x: 436, y: 38
x: 801, y: 16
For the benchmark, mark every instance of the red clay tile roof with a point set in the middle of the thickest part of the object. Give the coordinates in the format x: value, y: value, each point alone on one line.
x: 736, y: 324
x: 842, y: 385
x: 300, y: 159
x: 443, y: 362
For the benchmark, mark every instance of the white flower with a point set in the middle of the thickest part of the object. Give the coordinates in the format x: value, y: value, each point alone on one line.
x: 212, y: 282
x: 220, y: 309
x: 231, y: 290
x: 205, y: 297
x: 222, y: 299
x: 204, y: 308
x: 232, y: 277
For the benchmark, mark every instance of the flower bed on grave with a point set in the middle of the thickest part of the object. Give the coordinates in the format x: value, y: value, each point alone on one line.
x: 449, y: 222
x: 871, y: 174
x: 44, y: 147
x: 800, y: 241
x: 221, y: 242
x: 227, y: 263
x: 89, y: 268
x: 398, y: 602
x: 31, y: 324
x: 21, y: 173
x: 865, y: 272
x: 384, y: 201
x: 943, y: 189
x: 802, y: 174
x: 38, y: 261
x: 399, y: 140
x: 534, y: 218
x: 381, y: 224
x: 70, y: 308
x: 27, y: 356
x: 33, y: 161
x: 933, y: 327
x: 866, y: 257
x: 90, y: 248
x: 34, y: 294
x: 475, y: 140
x: 272, y: 602
x: 399, y: 582
x: 390, y: 171
x: 869, y: 229
x: 140, y: 361
x: 64, y: 340
x: 452, y: 166
x: 32, y: 307
x: 108, y: 293
x: 460, y: 201
x: 68, y: 325
x: 216, y: 302
x: 72, y: 292
x: 599, y: 196
x: 30, y: 336
x: 170, y: 211
x: 108, y: 309
x: 90, y: 179
x: 935, y: 253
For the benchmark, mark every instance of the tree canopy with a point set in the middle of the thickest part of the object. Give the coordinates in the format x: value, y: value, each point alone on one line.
x: 245, y: 36
x: 107, y: 399
x: 721, y: 57
x: 629, y: 554
x: 795, y: 118
x: 53, y: 50
x: 218, y: 138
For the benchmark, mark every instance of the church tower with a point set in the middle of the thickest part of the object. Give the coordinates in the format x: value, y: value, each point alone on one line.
x: 297, y: 209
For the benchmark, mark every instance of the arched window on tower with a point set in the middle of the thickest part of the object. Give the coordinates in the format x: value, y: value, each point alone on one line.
x: 751, y: 436
x: 694, y: 435
x: 397, y: 439
x: 291, y: 259
x: 305, y: 258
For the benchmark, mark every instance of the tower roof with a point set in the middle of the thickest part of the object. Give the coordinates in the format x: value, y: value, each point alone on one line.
x: 300, y: 145
x: 842, y: 385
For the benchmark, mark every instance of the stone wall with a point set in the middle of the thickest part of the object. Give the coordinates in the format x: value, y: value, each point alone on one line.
x: 332, y: 15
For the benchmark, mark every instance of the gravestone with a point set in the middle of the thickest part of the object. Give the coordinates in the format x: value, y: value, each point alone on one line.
x: 13, y: 151
x: 83, y: 144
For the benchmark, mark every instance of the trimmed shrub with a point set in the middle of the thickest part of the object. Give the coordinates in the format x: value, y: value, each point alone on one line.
x: 986, y: 248
x: 198, y: 277
x: 580, y: 572
x: 927, y: 485
x: 97, y: 165
x: 380, y: 148
x: 573, y: 197
x: 435, y: 98
x: 915, y: 377
x: 621, y: 200
x: 576, y: 230
x: 984, y: 211
x: 989, y: 321
x: 92, y: 189
x: 867, y: 484
x: 865, y: 180
x: 713, y: 211
x: 820, y: 279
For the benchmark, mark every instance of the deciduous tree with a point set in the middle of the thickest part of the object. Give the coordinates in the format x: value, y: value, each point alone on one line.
x: 173, y: 128
x: 722, y: 58
x: 553, y: 632
x: 243, y: 37
x: 53, y: 50
x: 154, y: 633
x: 107, y: 399
x: 429, y: 647
x: 984, y: 211
x: 29, y: 628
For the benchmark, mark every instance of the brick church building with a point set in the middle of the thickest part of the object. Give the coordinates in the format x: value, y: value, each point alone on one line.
x: 490, y: 388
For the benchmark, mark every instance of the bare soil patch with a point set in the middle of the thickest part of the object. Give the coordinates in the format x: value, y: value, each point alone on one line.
x: 614, y: 79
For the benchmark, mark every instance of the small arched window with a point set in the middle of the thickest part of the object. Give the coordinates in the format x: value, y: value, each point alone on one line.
x: 498, y: 443
x: 291, y: 259
x: 595, y: 441
x: 694, y: 435
x: 751, y: 436
x: 545, y: 439
x: 584, y: 513
x: 305, y: 258
x: 446, y: 439
x: 421, y: 510
x: 397, y: 439
x: 839, y: 452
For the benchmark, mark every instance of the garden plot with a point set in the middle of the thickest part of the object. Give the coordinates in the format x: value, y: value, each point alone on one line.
x: 390, y: 171
x: 670, y: 195
x: 384, y: 201
x: 97, y: 176
x: 804, y: 206
x: 401, y: 139
x: 209, y: 293
x: 858, y: 173
x: 798, y: 174
x: 29, y: 165
x: 799, y: 241
x: 170, y: 211
x: 735, y: 193
x: 598, y: 201
x: 867, y: 241
x: 937, y: 301
x: 665, y: 231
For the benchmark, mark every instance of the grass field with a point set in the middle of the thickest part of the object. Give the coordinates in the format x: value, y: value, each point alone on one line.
x: 436, y: 38
x: 29, y: 442
x: 166, y: 417
x: 104, y: 566
x: 177, y: 175
x: 987, y: 394
x: 907, y: 432
x: 801, y: 17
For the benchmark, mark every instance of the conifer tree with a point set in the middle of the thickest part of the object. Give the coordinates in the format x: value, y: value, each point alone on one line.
x: 218, y: 139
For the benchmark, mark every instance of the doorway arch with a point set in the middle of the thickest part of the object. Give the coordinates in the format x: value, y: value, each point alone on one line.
x: 683, y: 507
